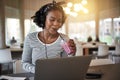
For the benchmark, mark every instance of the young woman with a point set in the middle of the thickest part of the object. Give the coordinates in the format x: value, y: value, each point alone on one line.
x: 46, y: 43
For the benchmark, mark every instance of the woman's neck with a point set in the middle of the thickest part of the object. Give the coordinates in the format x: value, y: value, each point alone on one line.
x: 47, y: 37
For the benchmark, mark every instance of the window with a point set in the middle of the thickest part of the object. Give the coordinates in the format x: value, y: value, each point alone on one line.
x: 31, y: 27
x: 105, y: 30
x: 117, y: 27
x: 12, y: 30
x: 116, y: 24
x: 82, y: 30
x: 110, y: 30
x: 12, y: 24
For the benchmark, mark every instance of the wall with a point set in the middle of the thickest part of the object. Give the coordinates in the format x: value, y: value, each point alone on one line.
x: 2, y: 25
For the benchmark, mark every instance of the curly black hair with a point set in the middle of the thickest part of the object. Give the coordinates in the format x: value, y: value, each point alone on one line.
x: 40, y: 16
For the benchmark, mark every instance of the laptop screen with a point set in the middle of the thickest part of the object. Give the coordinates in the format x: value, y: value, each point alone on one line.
x: 70, y: 68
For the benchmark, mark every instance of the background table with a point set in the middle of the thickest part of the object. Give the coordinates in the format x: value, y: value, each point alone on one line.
x: 89, y: 49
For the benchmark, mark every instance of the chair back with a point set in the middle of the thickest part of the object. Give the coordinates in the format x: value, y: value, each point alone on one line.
x: 103, y: 50
x: 5, y: 56
x: 18, y: 67
x: 79, y: 51
x: 117, y: 49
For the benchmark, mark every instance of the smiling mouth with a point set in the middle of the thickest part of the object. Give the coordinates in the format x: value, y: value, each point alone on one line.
x: 54, y: 29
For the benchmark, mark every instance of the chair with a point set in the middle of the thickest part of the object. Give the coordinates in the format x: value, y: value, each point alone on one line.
x: 6, y: 58
x: 18, y: 67
x: 116, y: 54
x: 117, y: 49
x: 79, y: 49
x: 103, y: 51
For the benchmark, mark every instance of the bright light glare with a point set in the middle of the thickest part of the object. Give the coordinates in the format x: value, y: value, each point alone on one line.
x: 84, y: 2
x: 76, y: 7
x: 67, y: 10
x: 69, y: 4
x: 85, y: 10
x: 73, y: 14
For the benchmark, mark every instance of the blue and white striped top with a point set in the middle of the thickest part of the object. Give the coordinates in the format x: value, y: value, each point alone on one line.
x: 35, y: 49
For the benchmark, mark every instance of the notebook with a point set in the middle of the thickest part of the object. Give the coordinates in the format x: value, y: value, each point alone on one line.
x: 70, y: 68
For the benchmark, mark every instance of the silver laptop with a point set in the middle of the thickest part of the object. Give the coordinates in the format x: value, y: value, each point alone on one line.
x: 70, y: 68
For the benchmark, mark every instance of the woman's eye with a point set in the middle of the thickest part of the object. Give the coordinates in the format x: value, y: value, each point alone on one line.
x: 52, y: 20
x: 60, y: 21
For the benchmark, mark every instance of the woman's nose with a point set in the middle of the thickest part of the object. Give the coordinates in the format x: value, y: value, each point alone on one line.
x: 56, y: 23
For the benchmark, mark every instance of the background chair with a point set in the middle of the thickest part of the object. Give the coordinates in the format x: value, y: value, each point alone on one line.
x: 116, y: 54
x: 18, y: 67
x: 79, y: 48
x: 6, y: 60
x: 103, y: 51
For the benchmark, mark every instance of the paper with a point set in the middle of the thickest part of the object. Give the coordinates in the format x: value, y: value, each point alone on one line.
x: 12, y: 78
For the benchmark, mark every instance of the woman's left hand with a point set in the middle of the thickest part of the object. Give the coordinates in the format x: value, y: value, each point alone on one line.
x: 72, y: 46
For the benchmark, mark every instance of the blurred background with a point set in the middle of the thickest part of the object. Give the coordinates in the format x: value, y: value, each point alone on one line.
x: 95, y: 18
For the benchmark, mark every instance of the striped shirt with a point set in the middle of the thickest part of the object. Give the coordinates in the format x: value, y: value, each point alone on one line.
x: 35, y: 49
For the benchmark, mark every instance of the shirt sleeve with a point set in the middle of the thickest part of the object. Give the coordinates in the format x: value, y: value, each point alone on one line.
x: 27, y: 56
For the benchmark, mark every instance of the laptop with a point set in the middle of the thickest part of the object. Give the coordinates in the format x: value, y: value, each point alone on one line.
x: 70, y: 68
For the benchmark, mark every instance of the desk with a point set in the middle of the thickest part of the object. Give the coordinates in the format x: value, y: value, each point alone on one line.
x: 89, y: 49
x: 110, y: 72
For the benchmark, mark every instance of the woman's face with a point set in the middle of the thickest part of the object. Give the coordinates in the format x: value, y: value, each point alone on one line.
x: 53, y: 21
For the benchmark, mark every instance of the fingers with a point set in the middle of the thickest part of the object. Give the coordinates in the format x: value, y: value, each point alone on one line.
x: 72, y: 46
x: 71, y: 43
